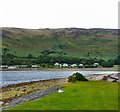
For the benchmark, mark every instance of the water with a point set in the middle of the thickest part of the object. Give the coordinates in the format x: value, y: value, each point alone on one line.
x: 15, y: 77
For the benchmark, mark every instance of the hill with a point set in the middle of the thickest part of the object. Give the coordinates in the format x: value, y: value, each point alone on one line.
x: 78, y: 42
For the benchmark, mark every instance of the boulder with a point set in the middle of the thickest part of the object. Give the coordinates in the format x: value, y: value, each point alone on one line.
x: 76, y: 77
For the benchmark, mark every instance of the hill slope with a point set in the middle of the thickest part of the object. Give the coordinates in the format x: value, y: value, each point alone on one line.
x: 102, y: 43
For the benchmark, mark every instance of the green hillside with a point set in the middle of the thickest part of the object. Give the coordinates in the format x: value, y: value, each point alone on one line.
x: 101, y: 43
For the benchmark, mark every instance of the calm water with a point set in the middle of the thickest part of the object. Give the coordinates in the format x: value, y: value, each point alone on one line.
x: 14, y: 77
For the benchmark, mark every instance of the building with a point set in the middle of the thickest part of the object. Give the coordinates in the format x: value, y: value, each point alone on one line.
x: 74, y: 65
x: 23, y: 66
x: 56, y: 64
x: 12, y: 67
x: 81, y: 65
x: 34, y: 66
x: 65, y: 65
x: 4, y: 66
x: 96, y: 64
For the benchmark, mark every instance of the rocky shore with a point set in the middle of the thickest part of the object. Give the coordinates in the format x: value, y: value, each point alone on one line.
x: 105, y: 77
x: 36, y: 89
x: 30, y: 97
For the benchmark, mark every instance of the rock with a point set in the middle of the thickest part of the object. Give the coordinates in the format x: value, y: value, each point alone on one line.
x: 76, y: 77
x: 1, y: 103
x: 60, y: 91
x: 111, y: 78
x: 16, y: 95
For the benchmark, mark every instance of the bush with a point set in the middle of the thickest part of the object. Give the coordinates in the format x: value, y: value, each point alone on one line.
x: 76, y: 77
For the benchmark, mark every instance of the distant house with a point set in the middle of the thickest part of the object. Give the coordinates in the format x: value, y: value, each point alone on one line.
x: 65, y: 65
x: 23, y: 66
x: 80, y: 65
x: 12, y: 67
x: 34, y: 66
x: 4, y: 66
x: 96, y: 64
x: 56, y: 64
x: 74, y: 65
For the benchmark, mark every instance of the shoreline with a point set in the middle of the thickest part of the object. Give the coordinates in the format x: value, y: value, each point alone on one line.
x: 28, y: 83
x: 11, y: 92
x: 62, y: 69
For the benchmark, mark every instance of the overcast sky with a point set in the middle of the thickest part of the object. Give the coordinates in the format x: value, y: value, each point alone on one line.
x: 59, y: 13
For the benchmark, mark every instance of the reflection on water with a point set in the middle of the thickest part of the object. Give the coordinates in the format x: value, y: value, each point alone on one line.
x: 14, y: 77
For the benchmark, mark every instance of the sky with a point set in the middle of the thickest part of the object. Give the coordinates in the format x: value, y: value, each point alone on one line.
x: 36, y: 14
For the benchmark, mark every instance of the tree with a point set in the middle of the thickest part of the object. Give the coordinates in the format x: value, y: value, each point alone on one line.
x: 30, y: 56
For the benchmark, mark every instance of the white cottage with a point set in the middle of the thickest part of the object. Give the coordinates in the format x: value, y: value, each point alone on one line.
x: 12, y: 67
x: 74, y: 65
x: 65, y: 65
x: 80, y: 65
x: 56, y: 64
x: 96, y: 64
x: 34, y: 66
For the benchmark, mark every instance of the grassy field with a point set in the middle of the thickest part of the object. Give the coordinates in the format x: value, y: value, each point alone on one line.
x: 78, y: 96
x: 99, y: 44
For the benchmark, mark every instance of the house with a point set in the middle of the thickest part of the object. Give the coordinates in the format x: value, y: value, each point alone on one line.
x: 74, y: 65
x: 34, y: 66
x: 4, y: 66
x: 23, y: 66
x: 96, y: 64
x: 56, y: 64
x: 65, y: 65
x: 80, y: 65
x: 12, y: 67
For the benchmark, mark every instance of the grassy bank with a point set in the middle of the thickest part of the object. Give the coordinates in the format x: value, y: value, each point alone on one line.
x: 92, y: 95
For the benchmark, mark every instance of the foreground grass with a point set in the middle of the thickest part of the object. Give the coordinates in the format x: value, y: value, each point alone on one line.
x: 78, y: 96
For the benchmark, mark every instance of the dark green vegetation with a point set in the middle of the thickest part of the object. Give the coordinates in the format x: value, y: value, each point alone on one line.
x: 76, y: 77
x: 78, y: 96
x: 48, y: 61
x: 70, y: 45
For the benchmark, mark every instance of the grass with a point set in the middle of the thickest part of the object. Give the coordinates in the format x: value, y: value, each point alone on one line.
x: 96, y: 95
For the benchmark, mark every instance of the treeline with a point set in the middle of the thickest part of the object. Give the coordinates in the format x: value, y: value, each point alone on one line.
x: 10, y: 59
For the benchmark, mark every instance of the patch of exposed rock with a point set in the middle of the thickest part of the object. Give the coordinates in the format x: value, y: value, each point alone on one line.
x: 105, y: 77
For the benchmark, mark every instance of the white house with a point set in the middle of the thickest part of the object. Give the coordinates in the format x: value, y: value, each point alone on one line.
x: 65, y: 65
x: 12, y: 67
x: 80, y: 65
x: 74, y: 65
x: 23, y: 66
x: 56, y: 64
x: 4, y: 66
x: 96, y: 64
x: 34, y: 66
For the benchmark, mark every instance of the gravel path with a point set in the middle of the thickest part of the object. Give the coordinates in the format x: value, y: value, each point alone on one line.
x: 32, y: 96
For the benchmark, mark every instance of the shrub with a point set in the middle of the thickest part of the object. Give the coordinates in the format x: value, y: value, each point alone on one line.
x: 76, y: 77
